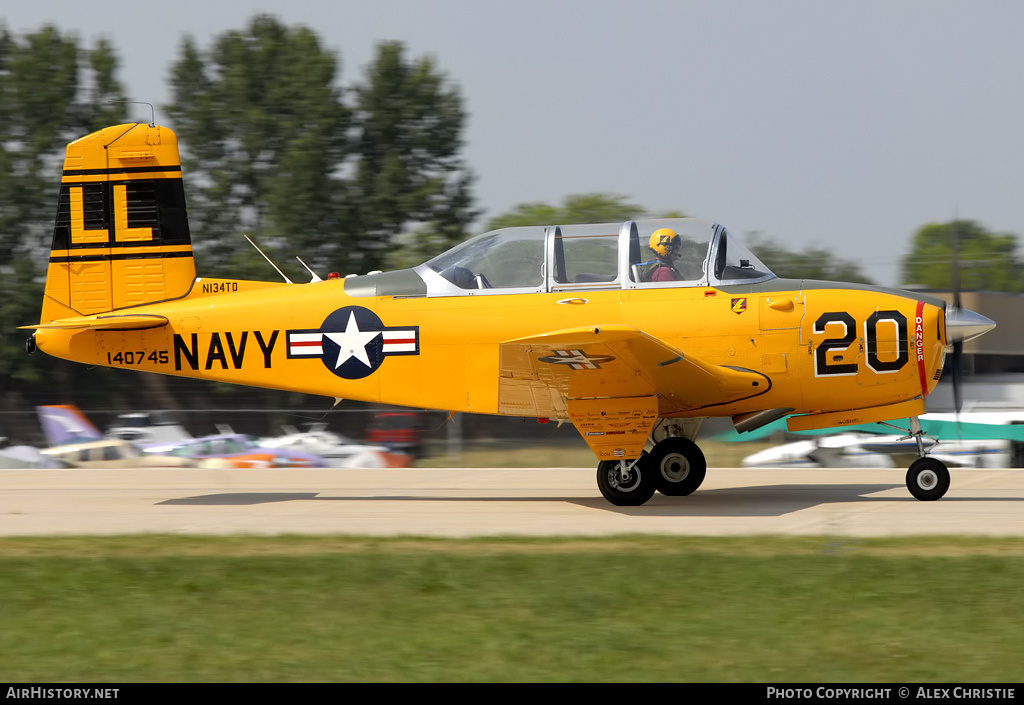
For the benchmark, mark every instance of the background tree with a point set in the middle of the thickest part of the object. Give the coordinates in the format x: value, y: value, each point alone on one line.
x: 263, y: 131
x: 271, y: 149
x: 813, y: 263
x: 578, y: 208
x: 987, y: 260
x: 408, y: 122
x: 51, y: 91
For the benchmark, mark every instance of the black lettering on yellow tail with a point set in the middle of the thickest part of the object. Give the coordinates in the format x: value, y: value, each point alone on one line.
x: 121, y: 238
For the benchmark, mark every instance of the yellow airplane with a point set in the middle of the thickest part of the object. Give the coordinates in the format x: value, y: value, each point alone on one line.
x: 634, y: 332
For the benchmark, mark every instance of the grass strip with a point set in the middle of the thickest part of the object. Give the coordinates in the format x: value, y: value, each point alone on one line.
x: 629, y: 608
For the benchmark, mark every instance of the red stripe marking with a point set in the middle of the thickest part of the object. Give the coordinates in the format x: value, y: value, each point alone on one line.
x: 306, y: 343
x: 919, y: 347
x: 398, y: 341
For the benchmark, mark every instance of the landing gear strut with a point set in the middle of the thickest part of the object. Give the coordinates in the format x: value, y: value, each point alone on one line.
x: 927, y: 478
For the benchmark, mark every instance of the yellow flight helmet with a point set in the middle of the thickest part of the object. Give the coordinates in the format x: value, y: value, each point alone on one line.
x: 665, y: 243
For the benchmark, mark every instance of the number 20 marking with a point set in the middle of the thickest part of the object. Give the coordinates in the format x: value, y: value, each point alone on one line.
x: 824, y: 368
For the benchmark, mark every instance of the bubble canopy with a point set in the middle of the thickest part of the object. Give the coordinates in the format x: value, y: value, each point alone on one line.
x: 584, y: 257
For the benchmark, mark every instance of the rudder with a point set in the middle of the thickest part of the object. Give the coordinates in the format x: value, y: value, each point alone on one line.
x: 121, y: 236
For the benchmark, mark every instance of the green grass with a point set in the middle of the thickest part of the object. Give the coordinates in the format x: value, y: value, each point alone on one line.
x: 156, y: 608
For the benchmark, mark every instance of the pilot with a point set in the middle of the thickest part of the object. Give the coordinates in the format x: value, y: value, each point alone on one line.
x: 665, y: 243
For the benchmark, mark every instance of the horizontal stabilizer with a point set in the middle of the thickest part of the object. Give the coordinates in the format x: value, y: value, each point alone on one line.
x: 104, y: 322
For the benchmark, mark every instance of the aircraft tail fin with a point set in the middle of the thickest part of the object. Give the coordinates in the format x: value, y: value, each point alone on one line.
x: 121, y: 237
x: 65, y: 423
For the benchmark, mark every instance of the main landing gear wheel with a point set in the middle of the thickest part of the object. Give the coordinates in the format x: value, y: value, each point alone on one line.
x: 626, y: 483
x: 927, y: 479
x: 679, y: 466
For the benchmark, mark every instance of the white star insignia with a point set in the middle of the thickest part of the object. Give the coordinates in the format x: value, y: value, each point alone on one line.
x: 352, y: 342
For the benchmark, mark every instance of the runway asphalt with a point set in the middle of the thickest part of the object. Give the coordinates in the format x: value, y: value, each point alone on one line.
x: 492, y: 502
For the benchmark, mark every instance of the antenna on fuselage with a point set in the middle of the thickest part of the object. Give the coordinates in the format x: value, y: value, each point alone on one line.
x: 268, y: 259
x: 152, y: 110
x: 315, y: 277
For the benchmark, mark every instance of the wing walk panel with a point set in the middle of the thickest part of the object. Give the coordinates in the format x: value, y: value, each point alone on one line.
x: 538, y: 374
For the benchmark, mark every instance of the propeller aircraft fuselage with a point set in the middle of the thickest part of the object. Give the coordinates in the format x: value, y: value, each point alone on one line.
x: 554, y: 322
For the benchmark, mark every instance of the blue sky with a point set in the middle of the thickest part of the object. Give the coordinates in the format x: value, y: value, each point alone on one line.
x: 841, y: 124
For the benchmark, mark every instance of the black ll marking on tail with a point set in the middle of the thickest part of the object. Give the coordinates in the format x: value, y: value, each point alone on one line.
x: 121, y: 236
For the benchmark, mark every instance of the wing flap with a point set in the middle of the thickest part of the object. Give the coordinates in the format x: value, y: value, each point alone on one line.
x: 613, y: 361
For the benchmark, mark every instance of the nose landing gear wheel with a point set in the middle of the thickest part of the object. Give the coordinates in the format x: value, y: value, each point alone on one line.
x: 679, y: 466
x: 630, y: 488
x: 927, y: 479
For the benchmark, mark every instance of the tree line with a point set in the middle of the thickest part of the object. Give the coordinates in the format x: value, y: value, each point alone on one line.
x: 354, y: 177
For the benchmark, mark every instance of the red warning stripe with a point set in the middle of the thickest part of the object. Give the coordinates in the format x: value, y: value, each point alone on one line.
x: 919, y: 347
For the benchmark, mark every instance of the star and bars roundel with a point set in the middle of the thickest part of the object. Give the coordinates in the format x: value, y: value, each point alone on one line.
x: 352, y: 342
x: 576, y: 359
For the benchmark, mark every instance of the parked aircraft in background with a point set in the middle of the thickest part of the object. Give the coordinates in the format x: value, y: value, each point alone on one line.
x: 145, y: 427
x: 865, y: 450
x: 569, y: 322
x: 843, y: 450
x: 21, y: 456
x: 108, y: 453
x: 970, y: 439
x: 65, y: 423
x: 336, y: 451
x: 74, y: 441
x: 232, y: 450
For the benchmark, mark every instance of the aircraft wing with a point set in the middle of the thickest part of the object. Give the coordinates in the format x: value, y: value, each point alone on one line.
x: 540, y: 374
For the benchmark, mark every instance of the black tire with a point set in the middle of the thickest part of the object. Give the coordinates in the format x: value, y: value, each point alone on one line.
x: 636, y: 489
x: 928, y: 479
x: 679, y: 466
